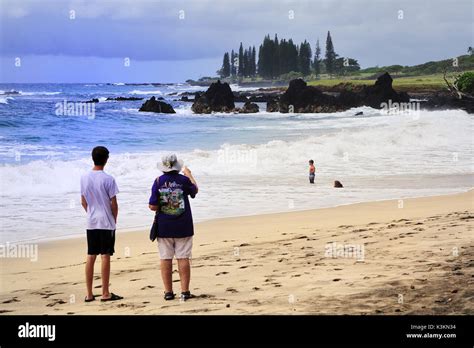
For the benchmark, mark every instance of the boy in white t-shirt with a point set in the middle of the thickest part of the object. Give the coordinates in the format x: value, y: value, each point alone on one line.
x: 99, y: 199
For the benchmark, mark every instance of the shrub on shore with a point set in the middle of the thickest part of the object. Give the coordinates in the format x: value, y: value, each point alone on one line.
x: 465, y: 83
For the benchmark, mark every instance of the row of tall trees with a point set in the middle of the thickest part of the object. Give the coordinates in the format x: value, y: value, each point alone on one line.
x: 242, y: 64
x: 279, y: 57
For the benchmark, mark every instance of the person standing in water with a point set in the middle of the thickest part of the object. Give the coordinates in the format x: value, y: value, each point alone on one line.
x: 312, y: 171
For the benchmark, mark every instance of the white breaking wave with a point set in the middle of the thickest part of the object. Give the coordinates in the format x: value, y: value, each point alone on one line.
x: 139, y: 92
x: 237, y: 88
x: 4, y: 100
x: 39, y: 93
x: 439, y: 143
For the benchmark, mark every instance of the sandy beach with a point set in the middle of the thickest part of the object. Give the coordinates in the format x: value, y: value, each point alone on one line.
x: 389, y: 257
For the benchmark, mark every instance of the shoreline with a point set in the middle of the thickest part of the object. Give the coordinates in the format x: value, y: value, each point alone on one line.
x: 254, y: 264
x: 79, y: 235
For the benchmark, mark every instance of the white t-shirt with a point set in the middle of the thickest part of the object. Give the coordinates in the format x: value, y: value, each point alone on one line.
x: 99, y: 188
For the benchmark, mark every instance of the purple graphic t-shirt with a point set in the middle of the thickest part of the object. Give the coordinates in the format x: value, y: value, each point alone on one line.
x: 171, y: 193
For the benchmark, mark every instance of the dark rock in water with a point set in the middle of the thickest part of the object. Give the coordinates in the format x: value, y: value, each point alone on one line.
x: 186, y: 99
x: 338, y: 184
x: 217, y: 98
x: 153, y: 105
x: 360, y: 113
x: 381, y: 92
x: 124, y: 98
x: 273, y: 106
x: 11, y: 92
x: 94, y: 100
x: 249, y: 108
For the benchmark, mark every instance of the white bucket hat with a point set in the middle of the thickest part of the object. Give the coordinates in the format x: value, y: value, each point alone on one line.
x: 170, y: 163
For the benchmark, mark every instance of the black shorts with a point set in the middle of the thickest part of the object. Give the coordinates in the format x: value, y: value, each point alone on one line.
x: 100, y: 242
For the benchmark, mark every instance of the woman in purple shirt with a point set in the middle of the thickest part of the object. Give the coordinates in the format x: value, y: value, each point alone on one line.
x: 169, y: 197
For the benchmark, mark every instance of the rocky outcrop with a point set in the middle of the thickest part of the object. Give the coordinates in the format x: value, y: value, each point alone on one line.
x: 159, y: 106
x: 301, y: 98
x: 217, y: 98
x: 381, y: 92
x: 445, y: 101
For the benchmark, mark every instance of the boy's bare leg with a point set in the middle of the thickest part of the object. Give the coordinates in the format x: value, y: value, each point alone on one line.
x: 184, y: 268
x: 166, y: 274
x: 90, y: 275
x: 105, y: 276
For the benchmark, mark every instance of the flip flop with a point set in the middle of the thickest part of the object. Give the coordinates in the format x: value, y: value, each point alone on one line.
x: 112, y: 297
x: 90, y: 299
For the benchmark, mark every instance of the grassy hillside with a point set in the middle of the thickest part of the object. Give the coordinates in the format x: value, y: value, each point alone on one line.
x: 464, y: 62
x: 428, y: 82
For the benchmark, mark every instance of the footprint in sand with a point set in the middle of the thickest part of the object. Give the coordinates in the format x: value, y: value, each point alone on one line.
x: 55, y: 302
x: 232, y: 290
x: 147, y: 287
x: 336, y: 279
x: 220, y: 273
x: 14, y: 299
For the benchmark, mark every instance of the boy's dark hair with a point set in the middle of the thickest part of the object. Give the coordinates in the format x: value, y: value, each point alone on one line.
x: 100, y: 155
x: 311, y: 162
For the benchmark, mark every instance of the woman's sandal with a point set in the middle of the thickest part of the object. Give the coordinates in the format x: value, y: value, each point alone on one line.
x: 169, y: 295
x: 89, y: 299
x: 186, y: 295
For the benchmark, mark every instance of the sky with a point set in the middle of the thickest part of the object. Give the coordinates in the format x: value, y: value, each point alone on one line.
x: 172, y: 41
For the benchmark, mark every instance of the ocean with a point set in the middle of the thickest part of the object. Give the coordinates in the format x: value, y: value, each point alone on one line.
x: 244, y: 164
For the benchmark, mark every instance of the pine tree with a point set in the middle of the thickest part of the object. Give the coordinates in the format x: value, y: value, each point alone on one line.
x: 330, y: 55
x: 233, y: 69
x: 317, y: 59
x: 253, y: 62
x: 265, y: 59
x: 225, y: 71
x: 304, y: 58
x: 292, y: 56
x: 241, y: 60
x: 276, y: 58
x: 260, y: 68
